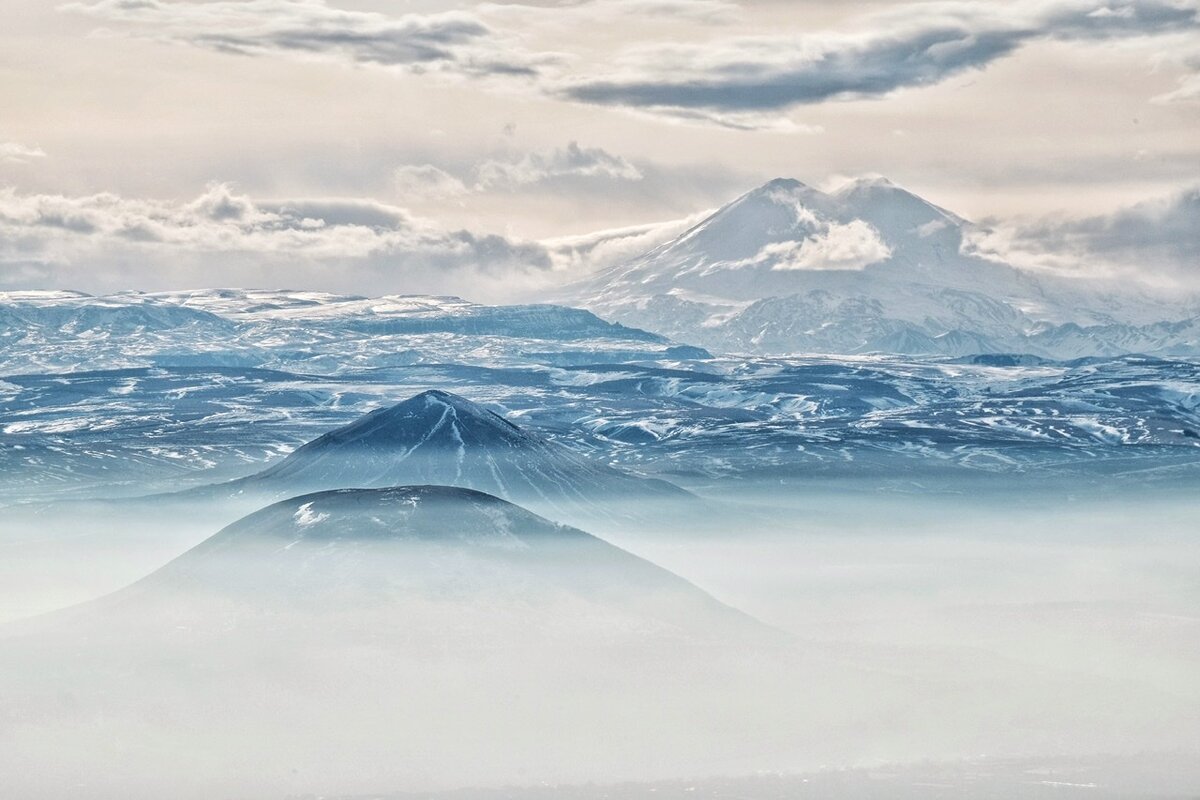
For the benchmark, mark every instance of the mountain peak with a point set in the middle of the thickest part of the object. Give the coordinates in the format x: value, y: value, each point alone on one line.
x: 431, y: 419
x: 444, y: 397
x: 788, y: 189
x: 783, y: 183
x: 893, y: 210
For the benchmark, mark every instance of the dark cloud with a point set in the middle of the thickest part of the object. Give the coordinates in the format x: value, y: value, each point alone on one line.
x: 1163, y: 234
x: 911, y: 46
x: 875, y: 68
x: 452, y: 42
x: 1157, y: 240
x: 731, y: 82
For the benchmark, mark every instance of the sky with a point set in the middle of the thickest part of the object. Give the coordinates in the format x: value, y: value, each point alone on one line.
x: 495, y: 149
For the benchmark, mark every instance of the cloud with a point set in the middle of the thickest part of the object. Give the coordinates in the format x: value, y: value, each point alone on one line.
x: 594, y: 251
x: 451, y: 42
x: 739, y: 83
x: 1157, y: 240
x: 710, y: 12
x: 428, y: 182
x: 16, y: 153
x: 909, y: 46
x: 771, y: 121
x: 851, y: 246
x: 573, y: 161
x: 1188, y: 90
x: 516, y: 171
x: 1186, y: 59
x: 106, y: 242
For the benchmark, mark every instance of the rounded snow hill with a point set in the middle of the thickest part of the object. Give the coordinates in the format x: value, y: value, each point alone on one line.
x: 367, y: 546
x: 426, y: 564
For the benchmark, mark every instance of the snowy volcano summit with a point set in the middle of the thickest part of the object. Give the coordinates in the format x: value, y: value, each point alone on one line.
x: 441, y: 438
x: 871, y: 267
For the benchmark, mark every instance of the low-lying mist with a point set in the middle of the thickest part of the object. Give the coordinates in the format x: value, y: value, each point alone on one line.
x: 388, y: 655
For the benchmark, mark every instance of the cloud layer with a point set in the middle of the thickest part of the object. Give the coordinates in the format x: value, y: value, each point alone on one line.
x: 106, y: 242
x: 742, y: 82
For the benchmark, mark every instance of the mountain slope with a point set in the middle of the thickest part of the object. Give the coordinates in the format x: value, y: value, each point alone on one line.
x: 869, y: 268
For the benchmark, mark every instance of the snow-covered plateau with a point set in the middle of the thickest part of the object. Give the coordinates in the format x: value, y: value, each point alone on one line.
x: 129, y: 400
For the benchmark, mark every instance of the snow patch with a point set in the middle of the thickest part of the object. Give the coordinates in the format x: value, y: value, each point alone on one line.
x: 305, y: 516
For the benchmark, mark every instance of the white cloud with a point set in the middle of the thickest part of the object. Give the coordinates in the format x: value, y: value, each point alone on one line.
x: 851, y: 246
x: 1186, y: 59
x: 514, y: 172
x: 427, y: 181
x: 1188, y: 91
x: 573, y: 161
x: 16, y: 153
x: 594, y: 251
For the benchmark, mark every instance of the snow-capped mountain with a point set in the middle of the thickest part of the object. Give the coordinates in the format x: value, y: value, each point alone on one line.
x: 441, y: 438
x: 870, y: 267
